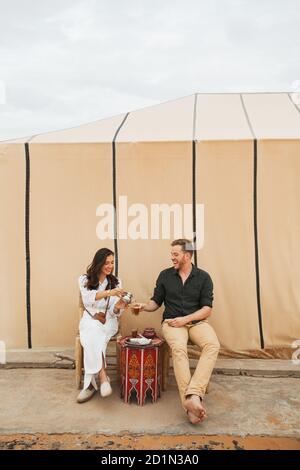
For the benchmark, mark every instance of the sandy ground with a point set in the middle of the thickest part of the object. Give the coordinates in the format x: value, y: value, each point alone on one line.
x: 251, y: 405
x: 128, y: 442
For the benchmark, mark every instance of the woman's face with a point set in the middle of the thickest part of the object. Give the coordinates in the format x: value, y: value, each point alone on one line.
x: 108, y: 266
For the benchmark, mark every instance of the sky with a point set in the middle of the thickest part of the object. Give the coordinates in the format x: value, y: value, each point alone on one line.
x: 67, y: 62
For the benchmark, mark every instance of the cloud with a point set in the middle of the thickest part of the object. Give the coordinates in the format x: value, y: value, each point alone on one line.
x: 67, y: 62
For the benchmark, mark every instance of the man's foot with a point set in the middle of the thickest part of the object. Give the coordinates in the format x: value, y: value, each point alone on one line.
x: 194, y: 408
x: 86, y: 394
x: 193, y: 418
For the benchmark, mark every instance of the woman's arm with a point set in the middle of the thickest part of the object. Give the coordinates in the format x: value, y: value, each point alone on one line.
x: 91, y: 296
x: 88, y: 296
x: 109, y: 293
x: 118, y: 305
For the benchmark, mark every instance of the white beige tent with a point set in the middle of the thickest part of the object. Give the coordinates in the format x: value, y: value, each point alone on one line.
x: 239, y: 155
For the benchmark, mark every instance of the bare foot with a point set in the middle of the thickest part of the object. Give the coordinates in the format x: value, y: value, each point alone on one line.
x: 194, y: 406
x: 193, y: 418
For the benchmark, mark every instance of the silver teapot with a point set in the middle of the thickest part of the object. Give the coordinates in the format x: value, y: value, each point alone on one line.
x: 127, y: 297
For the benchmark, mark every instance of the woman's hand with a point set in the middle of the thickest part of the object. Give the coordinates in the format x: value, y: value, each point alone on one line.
x: 120, y: 304
x: 117, y: 292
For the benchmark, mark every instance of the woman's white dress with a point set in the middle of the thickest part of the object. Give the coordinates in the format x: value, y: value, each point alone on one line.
x: 94, y: 335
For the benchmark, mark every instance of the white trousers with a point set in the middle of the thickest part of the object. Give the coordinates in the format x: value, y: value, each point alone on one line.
x: 94, y: 337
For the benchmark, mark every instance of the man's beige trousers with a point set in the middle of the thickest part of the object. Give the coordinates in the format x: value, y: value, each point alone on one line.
x: 203, y: 335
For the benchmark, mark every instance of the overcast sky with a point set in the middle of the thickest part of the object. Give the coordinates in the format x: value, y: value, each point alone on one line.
x: 66, y: 62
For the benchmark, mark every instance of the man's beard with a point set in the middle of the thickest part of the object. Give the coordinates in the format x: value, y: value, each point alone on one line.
x: 179, y: 265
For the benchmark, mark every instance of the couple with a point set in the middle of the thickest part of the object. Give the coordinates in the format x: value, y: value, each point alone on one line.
x: 187, y: 294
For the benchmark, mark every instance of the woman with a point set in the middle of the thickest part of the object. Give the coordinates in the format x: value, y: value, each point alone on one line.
x: 101, y: 294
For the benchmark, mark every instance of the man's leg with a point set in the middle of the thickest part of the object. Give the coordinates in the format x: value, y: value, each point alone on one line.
x: 203, y: 335
x: 177, y: 339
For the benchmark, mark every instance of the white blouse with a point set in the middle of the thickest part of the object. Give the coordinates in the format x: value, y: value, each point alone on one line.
x: 94, y: 306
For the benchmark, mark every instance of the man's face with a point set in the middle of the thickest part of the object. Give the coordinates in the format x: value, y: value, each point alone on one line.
x: 178, y: 256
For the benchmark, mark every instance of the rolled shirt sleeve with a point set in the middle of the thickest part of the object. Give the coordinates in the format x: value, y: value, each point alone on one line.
x: 159, y: 293
x: 207, y: 296
x: 113, y: 300
x: 88, y: 296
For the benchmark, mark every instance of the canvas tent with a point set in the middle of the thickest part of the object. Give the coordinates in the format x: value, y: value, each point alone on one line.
x: 238, y: 154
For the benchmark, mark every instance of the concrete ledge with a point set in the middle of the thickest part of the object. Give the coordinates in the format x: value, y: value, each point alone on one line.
x: 45, y: 359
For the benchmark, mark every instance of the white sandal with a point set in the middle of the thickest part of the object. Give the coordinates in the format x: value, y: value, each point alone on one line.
x: 105, y: 388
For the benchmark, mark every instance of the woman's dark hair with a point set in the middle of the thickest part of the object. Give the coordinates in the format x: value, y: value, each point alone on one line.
x: 94, y: 269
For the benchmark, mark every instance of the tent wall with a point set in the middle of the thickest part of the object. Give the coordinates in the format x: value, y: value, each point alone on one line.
x: 13, y: 321
x: 150, y: 173
x: 279, y: 239
x: 225, y: 186
x: 250, y: 193
x: 68, y: 182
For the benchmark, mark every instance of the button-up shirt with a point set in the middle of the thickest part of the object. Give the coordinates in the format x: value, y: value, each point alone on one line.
x: 180, y: 298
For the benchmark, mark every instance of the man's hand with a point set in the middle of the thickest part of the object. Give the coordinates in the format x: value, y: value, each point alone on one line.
x: 137, y: 307
x: 178, y: 322
x: 151, y: 306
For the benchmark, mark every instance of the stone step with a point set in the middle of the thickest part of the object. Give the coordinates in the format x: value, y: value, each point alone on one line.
x: 64, y: 359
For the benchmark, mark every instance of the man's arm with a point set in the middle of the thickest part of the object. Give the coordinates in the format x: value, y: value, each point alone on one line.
x: 201, y: 314
x: 150, y: 306
x: 157, y: 299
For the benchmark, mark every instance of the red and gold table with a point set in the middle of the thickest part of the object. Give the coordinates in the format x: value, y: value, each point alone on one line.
x: 140, y: 369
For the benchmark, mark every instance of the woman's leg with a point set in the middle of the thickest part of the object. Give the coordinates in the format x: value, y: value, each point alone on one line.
x: 102, y: 374
x: 93, y: 341
x: 111, y: 329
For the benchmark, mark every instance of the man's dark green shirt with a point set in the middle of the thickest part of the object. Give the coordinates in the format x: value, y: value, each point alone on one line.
x: 183, y: 299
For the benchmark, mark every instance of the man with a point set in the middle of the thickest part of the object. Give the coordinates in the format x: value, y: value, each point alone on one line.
x: 187, y: 294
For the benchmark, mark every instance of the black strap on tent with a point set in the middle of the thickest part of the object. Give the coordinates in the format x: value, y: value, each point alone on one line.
x: 27, y: 246
x: 114, y: 173
x: 194, y: 200
x: 194, y: 158
x: 262, y: 342
x: 261, y: 334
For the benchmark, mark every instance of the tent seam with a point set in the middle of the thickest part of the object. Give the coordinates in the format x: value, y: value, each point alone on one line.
x: 296, y: 106
x: 194, y: 158
x: 114, y: 178
x: 257, y: 276
x: 27, y: 244
x: 247, y: 116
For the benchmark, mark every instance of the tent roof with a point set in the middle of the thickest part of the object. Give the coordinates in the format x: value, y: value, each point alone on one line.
x: 207, y: 116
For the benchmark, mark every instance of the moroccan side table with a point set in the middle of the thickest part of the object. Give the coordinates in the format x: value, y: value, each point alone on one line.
x: 140, y: 369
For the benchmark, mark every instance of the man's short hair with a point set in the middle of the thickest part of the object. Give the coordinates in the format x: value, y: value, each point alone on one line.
x: 186, y: 245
